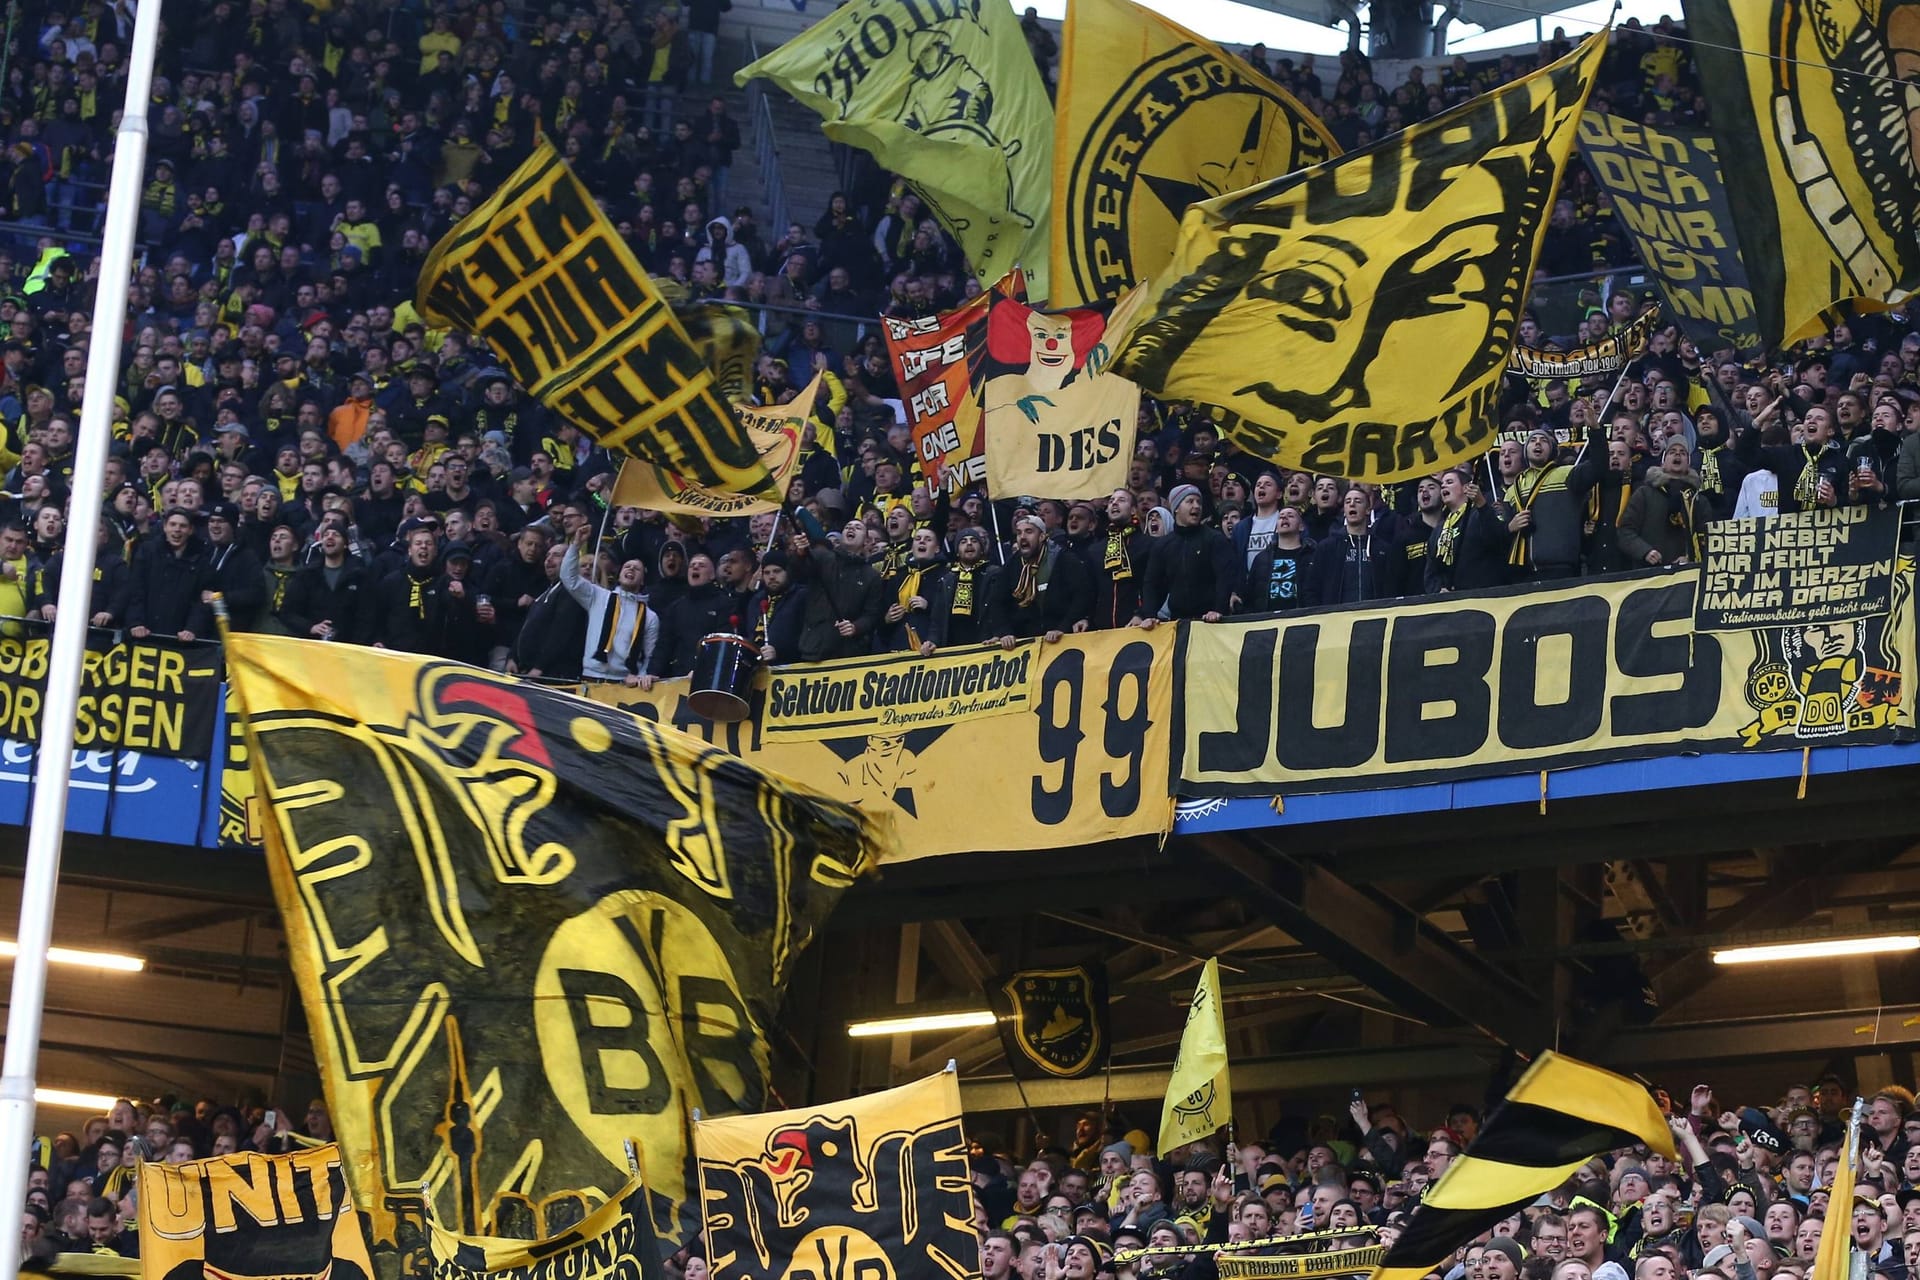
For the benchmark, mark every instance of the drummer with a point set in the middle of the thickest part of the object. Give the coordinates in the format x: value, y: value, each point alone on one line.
x: 706, y: 607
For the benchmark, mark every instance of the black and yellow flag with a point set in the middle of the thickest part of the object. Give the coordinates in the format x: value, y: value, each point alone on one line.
x: 526, y: 928
x: 1560, y: 1115
x: 1053, y: 1022
x: 540, y: 274
x: 1813, y: 108
x: 615, y: 1242
x: 1292, y: 306
x: 1132, y: 149
x: 873, y: 1186
x: 251, y: 1215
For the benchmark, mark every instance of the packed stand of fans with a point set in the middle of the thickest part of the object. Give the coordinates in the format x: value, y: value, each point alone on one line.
x: 1747, y: 1200
x: 290, y: 435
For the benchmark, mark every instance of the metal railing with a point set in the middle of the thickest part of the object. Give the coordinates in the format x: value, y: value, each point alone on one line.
x: 766, y: 152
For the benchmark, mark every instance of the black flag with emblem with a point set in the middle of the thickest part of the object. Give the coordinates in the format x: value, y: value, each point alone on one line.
x: 1053, y: 1022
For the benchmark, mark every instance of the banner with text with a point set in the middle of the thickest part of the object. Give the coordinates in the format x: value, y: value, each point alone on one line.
x: 150, y: 695
x: 1080, y: 761
x: 615, y: 1242
x: 1605, y: 357
x: 896, y: 692
x: 775, y: 431
x: 1830, y: 564
x: 1504, y: 681
x: 251, y: 1215
x: 1666, y: 189
x: 933, y: 362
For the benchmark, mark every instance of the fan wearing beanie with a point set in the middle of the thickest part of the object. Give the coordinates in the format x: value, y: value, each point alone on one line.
x: 1191, y: 572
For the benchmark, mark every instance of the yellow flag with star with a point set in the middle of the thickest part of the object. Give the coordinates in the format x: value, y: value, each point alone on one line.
x: 1133, y: 148
x: 1293, y: 307
x: 1199, y: 1095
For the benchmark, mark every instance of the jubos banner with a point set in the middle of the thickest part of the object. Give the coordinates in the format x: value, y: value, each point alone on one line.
x: 1057, y: 744
x: 1506, y: 681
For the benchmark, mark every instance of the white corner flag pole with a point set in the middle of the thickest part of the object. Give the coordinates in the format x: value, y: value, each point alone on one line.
x: 47, y: 823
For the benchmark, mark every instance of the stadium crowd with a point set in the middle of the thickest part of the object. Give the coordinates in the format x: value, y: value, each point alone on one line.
x: 1747, y: 1200
x: 290, y: 434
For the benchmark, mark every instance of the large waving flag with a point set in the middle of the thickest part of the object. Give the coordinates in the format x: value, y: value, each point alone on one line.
x: 540, y: 273
x: 944, y: 93
x: 1294, y: 306
x: 527, y: 928
x: 1560, y: 1115
x: 1813, y: 108
x: 1133, y: 148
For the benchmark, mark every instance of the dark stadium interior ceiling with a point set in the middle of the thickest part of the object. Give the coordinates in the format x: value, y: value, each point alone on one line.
x: 1489, y: 15
x: 1396, y: 955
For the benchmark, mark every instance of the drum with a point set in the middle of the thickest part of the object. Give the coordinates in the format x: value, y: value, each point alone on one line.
x: 722, y: 675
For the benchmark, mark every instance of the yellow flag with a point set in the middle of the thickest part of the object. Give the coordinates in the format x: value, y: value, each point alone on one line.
x: 250, y: 1214
x: 1199, y: 1096
x: 614, y: 1242
x: 775, y: 432
x: 1132, y: 149
x: 945, y: 94
x: 1832, y: 1262
x: 1295, y: 307
x: 1811, y: 110
x: 540, y: 274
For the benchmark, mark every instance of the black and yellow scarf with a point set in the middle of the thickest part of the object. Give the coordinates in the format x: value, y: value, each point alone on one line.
x: 1033, y: 575
x: 1449, y: 534
x: 965, y: 602
x: 1806, y: 486
x: 1710, y: 469
x: 1118, y: 561
x: 610, y: 630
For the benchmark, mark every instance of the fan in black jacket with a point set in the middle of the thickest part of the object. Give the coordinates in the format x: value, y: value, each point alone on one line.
x: 553, y: 640
x: 777, y: 612
x: 409, y: 604
x: 1045, y: 590
x: 1192, y: 571
x: 1352, y: 563
x: 107, y: 606
x: 233, y: 569
x: 332, y: 598
x: 957, y: 598
x: 165, y: 583
x: 1468, y: 548
x: 706, y: 607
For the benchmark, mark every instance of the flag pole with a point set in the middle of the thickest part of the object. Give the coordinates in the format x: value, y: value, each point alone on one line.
x: 67, y: 646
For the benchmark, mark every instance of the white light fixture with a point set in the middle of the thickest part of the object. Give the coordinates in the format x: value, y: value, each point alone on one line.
x: 74, y: 1098
x: 110, y: 960
x: 964, y: 1020
x: 1827, y: 949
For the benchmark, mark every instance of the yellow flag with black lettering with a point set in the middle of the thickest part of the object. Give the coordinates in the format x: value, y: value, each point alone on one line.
x: 1560, y: 1115
x: 1199, y: 1095
x: 614, y: 1242
x: 775, y: 431
x: 526, y: 928
x: 251, y: 1214
x: 1133, y: 148
x: 1292, y: 306
x: 540, y: 274
x: 1813, y: 111
x: 944, y: 93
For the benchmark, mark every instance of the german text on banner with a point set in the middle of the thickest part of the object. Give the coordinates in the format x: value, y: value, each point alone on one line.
x: 1811, y: 108
x: 1294, y: 306
x: 1668, y: 194
x: 1602, y: 358
x: 156, y: 696
x: 542, y: 276
x: 775, y: 432
x: 615, y: 1242
x: 878, y: 1186
x: 1829, y: 565
x: 946, y: 95
x: 932, y: 362
x: 1152, y: 118
x: 1560, y: 1115
x: 1199, y: 1098
x: 526, y: 928
x: 251, y: 1215
x: 1518, y: 679
x: 1053, y: 1022
x: 892, y: 693
x: 1059, y: 422
x: 1082, y: 761
x: 1267, y: 1266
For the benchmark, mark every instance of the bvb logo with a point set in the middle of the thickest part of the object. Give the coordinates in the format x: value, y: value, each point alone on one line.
x: 1182, y: 128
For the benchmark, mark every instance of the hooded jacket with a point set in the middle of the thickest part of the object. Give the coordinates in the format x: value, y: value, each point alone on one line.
x: 733, y: 263
x: 1665, y: 514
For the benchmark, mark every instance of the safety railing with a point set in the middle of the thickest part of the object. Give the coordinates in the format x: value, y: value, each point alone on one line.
x: 766, y: 151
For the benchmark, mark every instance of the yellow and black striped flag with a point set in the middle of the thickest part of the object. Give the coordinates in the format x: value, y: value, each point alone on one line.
x: 1561, y: 1115
x: 542, y: 276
